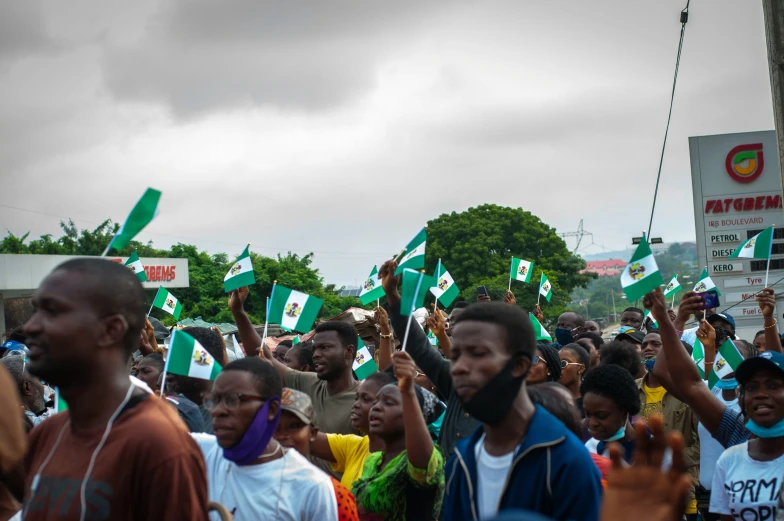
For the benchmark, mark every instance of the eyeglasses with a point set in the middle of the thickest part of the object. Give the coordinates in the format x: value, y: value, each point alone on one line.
x: 565, y: 364
x: 535, y: 359
x: 230, y: 400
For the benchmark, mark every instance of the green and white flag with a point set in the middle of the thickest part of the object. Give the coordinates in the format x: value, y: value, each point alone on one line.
x: 292, y: 309
x: 364, y: 365
x: 705, y: 283
x: 414, y: 258
x: 698, y: 357
x: 415, y: 285
x: 142, y: 213
x: 758, y: 247
x: 727, y: 361
x: 432, y: 339
x: 296, y: 340
x: 545, y: 288
x: 371, y: 289
x: 167, y: 302
x: 187, y: 357
x: 59, y: 403
x: 539, y: 330
x: 445, y: 290
x: 672, y: 287
x: 135, y: 265
x: 240, y: 274
x: 654, y: 322
x: 641, y: 275
x: 521, y: 270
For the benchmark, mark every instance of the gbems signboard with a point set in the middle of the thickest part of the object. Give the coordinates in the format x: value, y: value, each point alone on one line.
x: 737, y: 193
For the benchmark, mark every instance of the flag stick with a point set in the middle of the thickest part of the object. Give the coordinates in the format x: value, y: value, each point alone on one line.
x: 673, y: 302
x: 411, y: 312
x: 266, y: 322
x: 151, y: 306
x: 107, y: 249
x: 166, y: 365
x: 438, y: 275
x: 510, y: 274
x: 770, y: 252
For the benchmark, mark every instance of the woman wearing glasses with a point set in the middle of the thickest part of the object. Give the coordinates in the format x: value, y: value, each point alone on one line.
x: 574, y: 362
x: 545, y: 365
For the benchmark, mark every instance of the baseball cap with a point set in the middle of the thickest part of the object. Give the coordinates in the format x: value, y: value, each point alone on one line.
x: 298, y: 403
x: 632, y: 334
x: 726, y: 317
x: 766, y: 360
x: 12, y: 347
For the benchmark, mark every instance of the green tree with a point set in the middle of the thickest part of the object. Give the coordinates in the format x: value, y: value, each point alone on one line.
x: 477, y: 247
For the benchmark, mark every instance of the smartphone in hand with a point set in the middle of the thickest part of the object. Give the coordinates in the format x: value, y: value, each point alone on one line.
x: 710, y: 299
x: 481, y: 290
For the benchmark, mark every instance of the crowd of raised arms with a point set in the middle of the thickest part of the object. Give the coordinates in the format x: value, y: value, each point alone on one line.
x: 490, y: 424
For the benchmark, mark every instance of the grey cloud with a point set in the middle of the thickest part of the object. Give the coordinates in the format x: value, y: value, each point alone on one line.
x: 23, y: 29
x: 200, y: 56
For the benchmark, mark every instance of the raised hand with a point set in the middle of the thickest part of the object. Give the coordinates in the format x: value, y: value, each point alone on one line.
x: 767, y: 302
x: 405, y: 370
x: 645, y: 492
x: 691, y: 303
x: 437, y: 323
x: 237, y: 299
x: 509, y: 298
x: 389, y: 281
x: 706, y: 334
x: 538, y: 314
x: 382, y: 319
x: 656, y: 302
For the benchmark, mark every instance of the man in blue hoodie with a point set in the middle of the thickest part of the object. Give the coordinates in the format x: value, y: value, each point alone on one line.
x: 521, y: 456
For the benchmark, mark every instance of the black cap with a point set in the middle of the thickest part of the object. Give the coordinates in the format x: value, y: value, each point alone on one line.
x: 766, y: 360
x: 635, y: 336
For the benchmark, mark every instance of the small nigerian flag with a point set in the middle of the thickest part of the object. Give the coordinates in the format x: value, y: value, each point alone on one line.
x: 539, y: 330
x: 705, y: 283
x: 240, y: 274
x: 698, y: 357
x: 415, y: 285
x: 414, y: 257
x: 521, y: 270
x: 727, y: 360
x: 292, y: 309
x: 445, y: 290
x: 167, y: 302
x: 432, y: 339
x: 672, y: 287
x: 545, y: 288
x: 371, y: 289
x: 758, y: 247
x: 135, y: 265
x: 654, y: 322
x: 364, y: 365
x: 187, y: 357
x: 142, y: 213
x: 641, y: 275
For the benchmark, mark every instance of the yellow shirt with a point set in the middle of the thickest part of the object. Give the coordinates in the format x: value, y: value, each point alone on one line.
x: 350, y: 453
x: 653, y: 401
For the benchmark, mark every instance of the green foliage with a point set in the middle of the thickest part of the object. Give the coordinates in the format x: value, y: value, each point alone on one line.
x: 205, y: 296
x: 477, y: 247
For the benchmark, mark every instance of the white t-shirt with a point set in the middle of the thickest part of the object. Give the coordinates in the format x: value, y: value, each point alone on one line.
x: 289, y: 488
x: 492, y: 472
x: 744, y: 488
x: 710, y: 449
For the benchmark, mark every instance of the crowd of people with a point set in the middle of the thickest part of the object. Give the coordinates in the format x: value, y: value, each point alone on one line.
x: 488, y: 424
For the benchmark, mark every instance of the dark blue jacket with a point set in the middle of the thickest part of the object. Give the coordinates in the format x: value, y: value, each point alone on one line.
x: 552, y: 473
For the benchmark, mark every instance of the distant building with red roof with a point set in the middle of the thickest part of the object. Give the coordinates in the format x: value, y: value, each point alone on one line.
x: 605, y: 268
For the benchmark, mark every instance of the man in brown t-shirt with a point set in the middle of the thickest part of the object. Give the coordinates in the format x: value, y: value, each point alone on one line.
x: 117, y: 453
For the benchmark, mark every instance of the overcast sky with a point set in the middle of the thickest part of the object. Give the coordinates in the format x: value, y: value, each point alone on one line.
x: 341, y: 127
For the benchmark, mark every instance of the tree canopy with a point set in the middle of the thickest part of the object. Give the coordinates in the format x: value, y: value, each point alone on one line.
x: 205, y: 296
x: 477, y: 247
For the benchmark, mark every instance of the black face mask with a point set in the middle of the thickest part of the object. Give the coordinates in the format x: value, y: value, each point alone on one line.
x: 493, y: 401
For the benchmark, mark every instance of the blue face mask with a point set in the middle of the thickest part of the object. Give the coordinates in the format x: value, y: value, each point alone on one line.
x: 649, y: 363
x: 777, y: 431
x: 563, y: 336
x: 727, y: 384
x: 620, y: 433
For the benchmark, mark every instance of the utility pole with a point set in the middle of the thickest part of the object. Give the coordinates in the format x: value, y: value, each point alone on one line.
x: 774, y: 34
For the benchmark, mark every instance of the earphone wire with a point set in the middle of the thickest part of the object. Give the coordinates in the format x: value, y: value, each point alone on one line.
x: 83, y: 488
x: 37, y: 477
